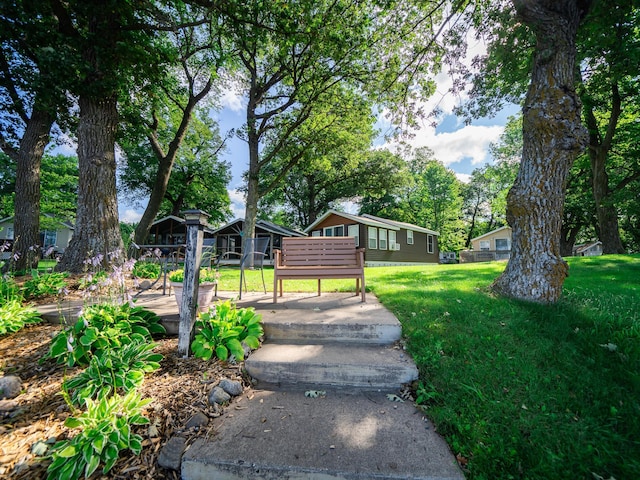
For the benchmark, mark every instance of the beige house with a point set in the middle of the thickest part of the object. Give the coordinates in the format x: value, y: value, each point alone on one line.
x: 57, y: 237
x: 494, y: 245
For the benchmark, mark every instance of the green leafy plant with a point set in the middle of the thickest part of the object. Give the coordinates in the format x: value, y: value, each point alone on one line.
x: 14, y: 315
x: 224, y: 329
x: 206, y: 275
x: 113, y: 370
x: 146, y: 270
x: 43, y: 285
x: 106, y: 430
x: 102, y: 327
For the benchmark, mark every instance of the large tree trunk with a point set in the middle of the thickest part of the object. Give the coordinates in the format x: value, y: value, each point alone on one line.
x: 253, y: 175
x: 553, y: 136
x: 27, y: 203
x: 97, y: 229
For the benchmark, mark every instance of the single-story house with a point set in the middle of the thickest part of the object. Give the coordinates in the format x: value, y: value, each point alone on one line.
x: 228, y: 238
x: 171, y: 230
x: 57, y: 235
x: 591, y: 249
x: 386, y: 242
x: 493, y: 245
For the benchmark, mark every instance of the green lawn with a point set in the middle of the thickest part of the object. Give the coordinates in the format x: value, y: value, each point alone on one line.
x: 521, y: 390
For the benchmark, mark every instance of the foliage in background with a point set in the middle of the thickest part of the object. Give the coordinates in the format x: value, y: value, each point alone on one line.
x: 106, y: 430
x: 115, y: 370
x: 103, y: 327
x: 206, y: 275
x: 224, y: 329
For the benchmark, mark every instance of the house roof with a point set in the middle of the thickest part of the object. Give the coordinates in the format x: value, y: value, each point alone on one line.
x: 586, y: 246
x: 491, y: 233
x: 172, y: 218
x: 371, y: 221
x: 65, y: 223
x: 265, y: 225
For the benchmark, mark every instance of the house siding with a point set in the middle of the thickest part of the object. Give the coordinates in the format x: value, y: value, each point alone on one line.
x: 416, y: 253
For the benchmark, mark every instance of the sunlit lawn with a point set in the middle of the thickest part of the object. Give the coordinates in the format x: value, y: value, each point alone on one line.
x: 520, y: 390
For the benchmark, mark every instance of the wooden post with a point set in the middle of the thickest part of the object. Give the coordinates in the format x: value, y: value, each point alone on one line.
x: 194, y: 221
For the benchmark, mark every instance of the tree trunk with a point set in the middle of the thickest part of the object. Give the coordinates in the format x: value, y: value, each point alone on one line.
x: 253, y: 175
x: 97, y: 229
x: 568, y: 237
x: 553, y: 136
x: 27, y: 203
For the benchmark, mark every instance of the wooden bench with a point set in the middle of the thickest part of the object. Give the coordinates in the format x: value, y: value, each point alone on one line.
x: 318, y: 258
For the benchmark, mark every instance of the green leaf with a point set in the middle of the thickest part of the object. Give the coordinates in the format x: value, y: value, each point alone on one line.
x: 221, y: 352
x: 68, y: 452
x: 92, y: 465
x: 252, y: 342
x: 235, y: 347
x: 72, y: 422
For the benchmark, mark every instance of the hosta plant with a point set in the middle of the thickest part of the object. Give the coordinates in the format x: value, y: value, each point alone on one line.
x: 106, y: 430
x: 14, y: 315
x: 113, y: 370
x: 224, y: 329
x: 146, y: 270
x: 102, y: 327
x: 43, y: 285
x: 207, y: 275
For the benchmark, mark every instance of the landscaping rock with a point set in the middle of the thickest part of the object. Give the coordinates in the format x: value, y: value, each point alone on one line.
x: 232, y: 387
x: 218, y: 395
x: 144, y: 285
x: 170, y: 455
x: 198, y: 420
x: 10, y: 386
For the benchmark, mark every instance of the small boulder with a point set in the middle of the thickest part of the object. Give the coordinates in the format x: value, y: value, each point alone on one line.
x: 170, y: 455
x: 198, y: 420
x: 10, y: 386
x: 218, y: 395
x: 232, y: 387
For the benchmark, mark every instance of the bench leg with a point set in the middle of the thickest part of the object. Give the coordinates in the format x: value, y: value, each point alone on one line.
x: 318, y: 287
x: 363, y: 291
x: 280, y: 286
x: 275, y: 289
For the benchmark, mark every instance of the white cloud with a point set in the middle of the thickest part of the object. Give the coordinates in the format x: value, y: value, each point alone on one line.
x: 130, y: 216
x: 232, y: 100
x: 468, y: 142
x: 464, y: 177
x: 237, y: 203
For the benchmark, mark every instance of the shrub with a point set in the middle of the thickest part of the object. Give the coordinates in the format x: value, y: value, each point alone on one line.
x: 106, y: 430
x: 224, y: 329
x: 102, y: 327
x: 117, y: 369
x: 43, y: 285
x: 146, y: 270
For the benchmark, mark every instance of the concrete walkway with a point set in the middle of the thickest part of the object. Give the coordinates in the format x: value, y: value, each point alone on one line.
x: 326, y: 403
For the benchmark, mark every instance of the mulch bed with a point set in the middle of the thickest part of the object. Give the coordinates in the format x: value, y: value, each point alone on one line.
x: 179, y: 390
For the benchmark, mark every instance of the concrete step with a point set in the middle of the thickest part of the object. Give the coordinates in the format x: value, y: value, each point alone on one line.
x: 285, y: 435
x: 370, y: 367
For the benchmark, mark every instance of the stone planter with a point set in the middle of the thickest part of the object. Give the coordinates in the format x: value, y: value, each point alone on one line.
x: 205, y: 295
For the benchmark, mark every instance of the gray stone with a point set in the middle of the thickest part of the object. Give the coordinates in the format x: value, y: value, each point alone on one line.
x: 218, y: 395
x: 144, y: 285
x: 10, y: 386
x: 232, y: 387
x: 170, y: 455
x: 198, y: 420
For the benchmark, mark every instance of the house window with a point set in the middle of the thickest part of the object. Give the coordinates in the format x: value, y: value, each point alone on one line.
x: 9, y: 235
x: 409, y: 237
x: 315, y: 233
x: 336, y: 231
x: 373, y: 238
x: 382, y: 240
x: 49, y: 238
x: 354, y: 231
x: 485, y: 245
x: 502, y: 244
x: 429, y: 243
x: 393, y: 244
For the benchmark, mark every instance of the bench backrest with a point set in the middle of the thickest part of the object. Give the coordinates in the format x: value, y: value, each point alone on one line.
x: 319, y: 251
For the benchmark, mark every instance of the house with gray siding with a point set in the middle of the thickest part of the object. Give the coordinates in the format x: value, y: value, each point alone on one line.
x: 386, y: 242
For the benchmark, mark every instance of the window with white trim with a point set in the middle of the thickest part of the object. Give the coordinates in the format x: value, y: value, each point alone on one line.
x: 430, y: 243
x: 382, y: 238
x: 373, y: 238
x: 354, y: 231
x: 485, y: 245
x: 315, y: 233
x: 502, y: 244
x: 409, y: 237
x: 393, y: 244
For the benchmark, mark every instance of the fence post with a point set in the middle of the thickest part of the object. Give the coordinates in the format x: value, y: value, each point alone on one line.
x: 194, y: 221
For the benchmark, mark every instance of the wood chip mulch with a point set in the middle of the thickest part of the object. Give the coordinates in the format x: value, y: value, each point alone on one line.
x: 179, y: 390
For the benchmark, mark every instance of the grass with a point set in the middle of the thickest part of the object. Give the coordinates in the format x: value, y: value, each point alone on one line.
x: 520, y: 390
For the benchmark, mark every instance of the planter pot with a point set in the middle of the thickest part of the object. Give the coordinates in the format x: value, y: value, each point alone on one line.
x: 205, y: 295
